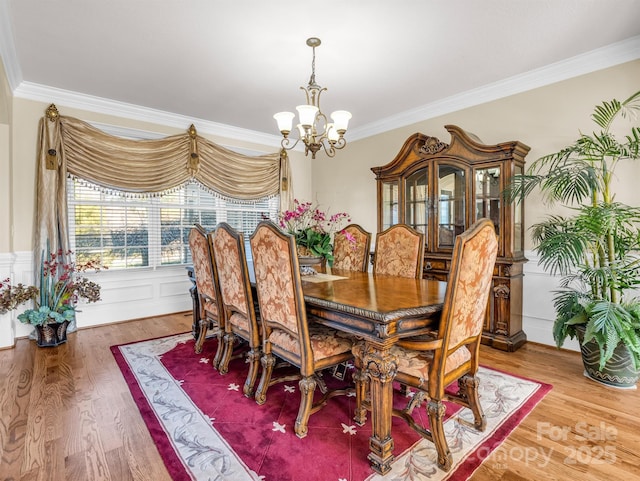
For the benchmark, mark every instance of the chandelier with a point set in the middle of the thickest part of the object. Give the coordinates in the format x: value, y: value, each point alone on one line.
x: 314, y: 129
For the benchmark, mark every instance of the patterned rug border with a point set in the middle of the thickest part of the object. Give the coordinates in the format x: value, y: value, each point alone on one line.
x: 462, y: 469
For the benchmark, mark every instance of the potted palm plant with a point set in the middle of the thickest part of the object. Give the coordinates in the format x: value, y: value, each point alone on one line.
x: 596, y: 249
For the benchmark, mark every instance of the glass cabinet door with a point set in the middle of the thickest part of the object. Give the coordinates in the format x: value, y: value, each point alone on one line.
x: 488, y: 195
x: 451, y: 192
x: 389, y: 204
x: 417, y: 200
x: 518, y: 216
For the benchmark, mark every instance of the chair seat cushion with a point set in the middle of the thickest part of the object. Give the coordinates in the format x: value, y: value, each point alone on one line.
x: 210, y: 307
x: 325, y: 342
x: 417, y: 363
x: 239, y: 320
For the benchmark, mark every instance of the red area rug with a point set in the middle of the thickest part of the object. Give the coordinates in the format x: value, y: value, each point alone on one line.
x: 206, y: 429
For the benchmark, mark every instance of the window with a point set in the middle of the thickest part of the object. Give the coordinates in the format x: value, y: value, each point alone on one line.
x: 129, y: 230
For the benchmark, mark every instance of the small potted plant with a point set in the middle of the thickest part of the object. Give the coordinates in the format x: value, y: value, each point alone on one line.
x: 596, y: 250
x: 56, y: 298
x: 313, y: 229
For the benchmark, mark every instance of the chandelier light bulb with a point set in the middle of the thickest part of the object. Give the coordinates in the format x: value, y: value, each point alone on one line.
x: 307, y: 114
x: 332, y: 133
x: 285, y: 121
x: 341, y: 120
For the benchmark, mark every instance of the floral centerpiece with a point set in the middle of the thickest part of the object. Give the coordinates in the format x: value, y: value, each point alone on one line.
x: 313, y: 228
x: 59, y: 290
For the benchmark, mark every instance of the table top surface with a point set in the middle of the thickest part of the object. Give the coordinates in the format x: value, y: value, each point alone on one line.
x: 382, y: 298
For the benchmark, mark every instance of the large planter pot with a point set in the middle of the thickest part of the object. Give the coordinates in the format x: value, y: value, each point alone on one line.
x: 618, y: 372
x: 51, y: 335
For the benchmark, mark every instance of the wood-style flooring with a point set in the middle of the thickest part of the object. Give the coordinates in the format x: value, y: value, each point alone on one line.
x: 66, y: 414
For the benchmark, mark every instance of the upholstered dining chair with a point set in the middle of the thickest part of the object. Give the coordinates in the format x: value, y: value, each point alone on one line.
x: 236, y: 300
x: 399, y: 252
x: 287, y: 334
x: 210, y: 316
x: 430, y: 364
x: 351, y: 248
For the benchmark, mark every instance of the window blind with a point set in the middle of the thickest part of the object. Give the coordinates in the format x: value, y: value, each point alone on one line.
x: 132, y: 231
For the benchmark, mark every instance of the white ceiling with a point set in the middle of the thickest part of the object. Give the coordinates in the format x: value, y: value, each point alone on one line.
x: 235, y: 63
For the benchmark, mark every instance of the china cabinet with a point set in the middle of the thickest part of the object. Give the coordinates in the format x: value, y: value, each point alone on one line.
x: 441, y: 189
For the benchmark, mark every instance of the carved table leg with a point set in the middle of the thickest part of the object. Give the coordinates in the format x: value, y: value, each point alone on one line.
x: 195, y: 301
x: 382, y: 367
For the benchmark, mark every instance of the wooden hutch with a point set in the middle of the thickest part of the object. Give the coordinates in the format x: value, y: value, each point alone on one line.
x: 441, y: 189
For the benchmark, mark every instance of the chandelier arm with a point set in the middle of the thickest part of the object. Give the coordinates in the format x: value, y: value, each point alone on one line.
x: 286, y: 144
x: 339, y: 144
x: 321, y: 121
x: 328, y: 147
x: 306, y: 93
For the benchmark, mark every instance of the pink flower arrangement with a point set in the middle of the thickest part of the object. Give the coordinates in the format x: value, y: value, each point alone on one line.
x: 58, y: 294
x: 313, y: 228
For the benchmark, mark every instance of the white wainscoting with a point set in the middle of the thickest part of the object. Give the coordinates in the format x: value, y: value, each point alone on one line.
x: 7, y: 331
x: 125, y: 295
x: 136, y: 293
x: 537, y: 311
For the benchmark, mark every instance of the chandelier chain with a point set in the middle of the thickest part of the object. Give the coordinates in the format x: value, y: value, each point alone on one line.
x: 312, y: 79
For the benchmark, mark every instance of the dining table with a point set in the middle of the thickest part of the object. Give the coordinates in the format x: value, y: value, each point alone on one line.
x: 378, y: 310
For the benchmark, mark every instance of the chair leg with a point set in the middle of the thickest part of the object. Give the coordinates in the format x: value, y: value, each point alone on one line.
x: 229, y: 340
x: 307, y: 389
x: 436, y: 410
x: 360, y: 380
x: 220, y: 350
x: 268, y: 361
x: 254, y: 364
x: 468, y: 385
x: 203, y: 327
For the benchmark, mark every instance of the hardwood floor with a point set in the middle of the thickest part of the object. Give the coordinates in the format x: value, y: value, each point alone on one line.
x: 66, y: 414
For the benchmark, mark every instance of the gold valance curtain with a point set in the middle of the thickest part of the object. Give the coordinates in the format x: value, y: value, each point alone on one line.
x: 71, y: 146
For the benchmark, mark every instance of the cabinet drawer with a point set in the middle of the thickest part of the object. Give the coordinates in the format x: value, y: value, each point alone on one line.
x: 436, y: 264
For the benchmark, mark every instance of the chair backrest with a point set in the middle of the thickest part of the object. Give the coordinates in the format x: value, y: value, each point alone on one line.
x: 469, y: 285
x: 351, y: 248
x: 204, y: 266
x: 279, y: 289
x: 233, y: 273
x: 399, y: 252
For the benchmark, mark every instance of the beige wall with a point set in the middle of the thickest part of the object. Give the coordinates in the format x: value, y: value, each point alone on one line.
x: 5, y: 145
x: 546, y: 119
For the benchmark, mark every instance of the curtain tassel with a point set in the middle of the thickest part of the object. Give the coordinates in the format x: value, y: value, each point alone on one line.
x: 51, y: 159
x: 194, y: 158
x: 284, y: 182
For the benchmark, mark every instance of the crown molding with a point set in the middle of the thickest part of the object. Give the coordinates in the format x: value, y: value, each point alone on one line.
x: 61, y: 97
x: 599, y: 59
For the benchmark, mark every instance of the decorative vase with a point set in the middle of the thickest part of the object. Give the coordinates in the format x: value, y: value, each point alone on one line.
x: 51, y: 335
x: 618, y: 372
x: 308, y: 262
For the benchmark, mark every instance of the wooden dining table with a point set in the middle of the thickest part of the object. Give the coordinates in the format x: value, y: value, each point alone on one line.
x: 379, y: 310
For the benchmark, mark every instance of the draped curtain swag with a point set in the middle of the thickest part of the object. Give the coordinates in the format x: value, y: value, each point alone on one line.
x: 69, y: 146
